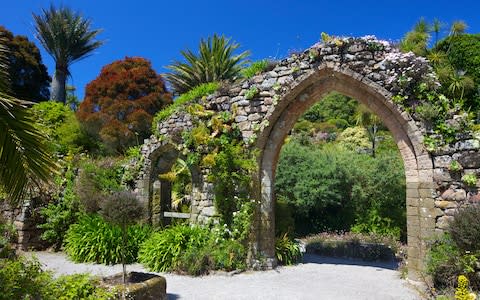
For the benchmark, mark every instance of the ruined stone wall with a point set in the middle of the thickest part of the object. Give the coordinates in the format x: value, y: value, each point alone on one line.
x: 373, y: 72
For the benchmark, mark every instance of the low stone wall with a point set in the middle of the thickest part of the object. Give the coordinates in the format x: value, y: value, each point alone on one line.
x: 25, y: 218
x: 450, y: 165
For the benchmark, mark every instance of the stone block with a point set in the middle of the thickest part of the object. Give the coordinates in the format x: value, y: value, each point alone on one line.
x: 443, y: 222
x: 443, y: 204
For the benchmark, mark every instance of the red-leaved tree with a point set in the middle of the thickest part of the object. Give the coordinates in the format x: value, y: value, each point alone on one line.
x: 120, y: 103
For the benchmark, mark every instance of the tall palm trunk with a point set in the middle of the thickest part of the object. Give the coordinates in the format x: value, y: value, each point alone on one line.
x: 59, y: 92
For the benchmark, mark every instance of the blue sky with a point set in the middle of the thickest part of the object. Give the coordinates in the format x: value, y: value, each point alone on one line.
x: 158, y: 30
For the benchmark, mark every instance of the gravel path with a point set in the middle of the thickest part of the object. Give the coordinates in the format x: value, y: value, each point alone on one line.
x: 316, y: 278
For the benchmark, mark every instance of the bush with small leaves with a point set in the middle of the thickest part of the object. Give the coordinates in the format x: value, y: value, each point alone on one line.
x: 465, y: 228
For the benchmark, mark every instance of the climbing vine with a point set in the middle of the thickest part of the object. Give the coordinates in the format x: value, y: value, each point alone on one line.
x: 215, y: 144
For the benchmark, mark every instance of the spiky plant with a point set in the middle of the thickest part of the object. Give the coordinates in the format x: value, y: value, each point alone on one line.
x: 215, y: 61
x: 24, y: 157
x: 67, y: 37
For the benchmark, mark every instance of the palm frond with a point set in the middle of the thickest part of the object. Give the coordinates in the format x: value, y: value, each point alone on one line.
x: 24, y: 156
x: 215, y: 61
x: 65, y: 35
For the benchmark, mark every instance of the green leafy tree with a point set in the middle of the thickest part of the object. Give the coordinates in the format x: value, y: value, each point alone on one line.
x: 24, y: 156
x: 333, y: 107
x: 417, y: 39
x: 67, y: 37
x: 29, y: 78
x: 364, y: 117
x: 61, y: 127
x: 215, y: 61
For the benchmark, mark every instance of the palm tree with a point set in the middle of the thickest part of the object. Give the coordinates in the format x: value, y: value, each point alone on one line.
x: 67, y: 37
x: 214, y: 62
x: 24, y: 158
x: 457, y: 28
x: 416, y: 40
x: 436, y: 28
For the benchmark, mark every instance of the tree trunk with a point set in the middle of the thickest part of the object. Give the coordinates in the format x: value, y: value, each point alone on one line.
x: 59, y: 92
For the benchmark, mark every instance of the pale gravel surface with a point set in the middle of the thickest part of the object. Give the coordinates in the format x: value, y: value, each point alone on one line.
x: 316, y: 278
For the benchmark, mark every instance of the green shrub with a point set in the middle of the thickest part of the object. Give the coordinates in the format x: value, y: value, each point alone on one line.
x: 251, y: 93
x: 196, y: 93
x: 80, y: 286
x: 287, y: 251
x: 470, y: 179
x: 227, y: 255
x: 443, y: 262
x: 465, y: 228
x: 61, y: 126
x: 23, y: 279
x: 255, y: 68
x: 8, y: 234
x: 63, y: 211
x: 94, y: 240
x: 284, y: 221
x: 162, y: 251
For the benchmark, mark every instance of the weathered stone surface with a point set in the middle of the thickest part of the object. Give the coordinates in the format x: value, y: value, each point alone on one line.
x: 470, y: 160
x: 454, y: 195
x: 443, y: 222
x: 443, y: 204
x: 442, y: 161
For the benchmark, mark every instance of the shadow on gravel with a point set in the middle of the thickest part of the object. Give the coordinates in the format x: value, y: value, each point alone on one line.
x: 172, y: 296
x: 309, y: 258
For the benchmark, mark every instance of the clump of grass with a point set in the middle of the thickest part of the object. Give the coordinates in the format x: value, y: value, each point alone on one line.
x: 255, y: 68
x: 195, y: 93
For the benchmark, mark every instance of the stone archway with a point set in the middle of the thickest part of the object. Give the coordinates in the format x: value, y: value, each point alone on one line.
x: 266, y: 106
x: 417, y: 161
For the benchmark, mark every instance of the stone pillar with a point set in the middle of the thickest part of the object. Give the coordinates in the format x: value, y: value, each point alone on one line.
x: 421, y: 215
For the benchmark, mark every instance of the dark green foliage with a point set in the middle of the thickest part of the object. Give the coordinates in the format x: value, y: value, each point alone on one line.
x: 284, y: 221
x: 442, y: 262
x: 458, y: 251
x: 162, y: 251
x: 287, y: 250
x: 463, y: 53
x: 334, y: 189
x: 334, y: 106
x: 28, y: 75
x: 23, y: 279
x: 8, y: 234
x: 94, y: 240
x: 63, y: 211
x: 231, y: 179
x: 465, y: 228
